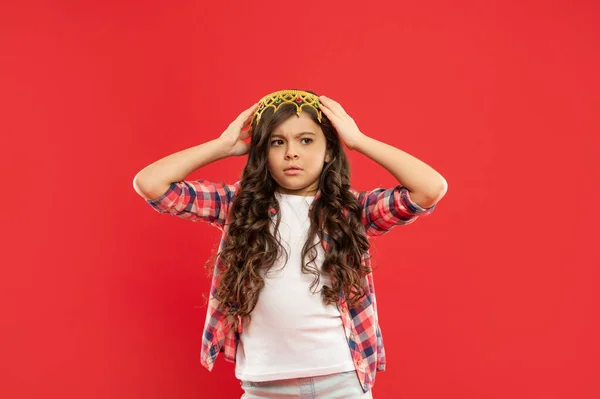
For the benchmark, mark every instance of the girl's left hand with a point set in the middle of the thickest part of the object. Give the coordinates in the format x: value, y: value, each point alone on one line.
x: 342, y: 122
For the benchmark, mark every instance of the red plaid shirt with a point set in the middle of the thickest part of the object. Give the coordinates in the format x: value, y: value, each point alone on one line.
x: 381, y: 210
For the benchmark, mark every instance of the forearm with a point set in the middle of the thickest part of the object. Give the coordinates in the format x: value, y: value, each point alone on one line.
x: 425, y: 184
x: 154, y: 180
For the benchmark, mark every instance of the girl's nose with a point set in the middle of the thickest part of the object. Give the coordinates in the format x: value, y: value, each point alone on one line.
x: 291, y: 153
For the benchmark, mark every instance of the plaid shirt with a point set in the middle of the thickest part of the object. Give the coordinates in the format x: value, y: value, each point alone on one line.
x: 382, y: 209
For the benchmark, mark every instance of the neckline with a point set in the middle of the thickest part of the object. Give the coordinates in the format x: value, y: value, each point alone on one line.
x: 295, y: 195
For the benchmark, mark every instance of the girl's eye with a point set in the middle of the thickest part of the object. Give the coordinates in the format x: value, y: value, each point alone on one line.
x: 304, y: 140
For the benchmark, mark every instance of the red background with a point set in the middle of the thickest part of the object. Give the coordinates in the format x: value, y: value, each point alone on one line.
x: 493, y: 296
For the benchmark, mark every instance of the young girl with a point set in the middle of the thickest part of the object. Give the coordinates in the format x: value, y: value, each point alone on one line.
x: 292, y: 300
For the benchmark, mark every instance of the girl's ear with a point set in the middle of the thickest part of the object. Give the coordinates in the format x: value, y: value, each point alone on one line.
x: 328, y: 156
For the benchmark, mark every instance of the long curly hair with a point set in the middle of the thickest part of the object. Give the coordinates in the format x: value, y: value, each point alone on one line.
x: 251, y: 249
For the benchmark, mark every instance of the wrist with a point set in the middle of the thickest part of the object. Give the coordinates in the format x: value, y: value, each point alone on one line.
x: 224, y: 148
x: 358, y: 143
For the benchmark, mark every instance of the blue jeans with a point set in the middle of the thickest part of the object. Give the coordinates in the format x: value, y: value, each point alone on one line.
x: 333, y: 386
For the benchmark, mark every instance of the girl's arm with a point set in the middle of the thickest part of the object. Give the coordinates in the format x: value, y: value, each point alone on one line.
x: 426, y: 186
x: 152, y: 181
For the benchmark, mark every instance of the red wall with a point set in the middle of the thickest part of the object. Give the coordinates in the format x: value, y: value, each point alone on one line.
x: 493, y: 296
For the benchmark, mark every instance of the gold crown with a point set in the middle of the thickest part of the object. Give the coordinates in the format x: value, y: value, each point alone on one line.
x: 297, y: 97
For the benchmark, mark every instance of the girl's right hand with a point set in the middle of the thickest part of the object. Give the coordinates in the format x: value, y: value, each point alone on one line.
x: 234, y: 136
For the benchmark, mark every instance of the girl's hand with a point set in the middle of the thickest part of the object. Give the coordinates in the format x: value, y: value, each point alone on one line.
x: 233, y: 138
x: 342, y: 122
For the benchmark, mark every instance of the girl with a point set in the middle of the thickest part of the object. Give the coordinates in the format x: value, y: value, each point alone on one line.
x: 292, y: 300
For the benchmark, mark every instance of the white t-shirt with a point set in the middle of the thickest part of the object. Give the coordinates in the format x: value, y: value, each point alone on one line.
x: 291, y: 333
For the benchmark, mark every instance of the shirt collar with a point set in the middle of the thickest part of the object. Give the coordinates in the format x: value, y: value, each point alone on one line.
x: 273, y: 211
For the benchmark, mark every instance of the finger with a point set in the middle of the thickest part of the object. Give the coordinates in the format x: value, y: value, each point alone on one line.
x: 251, y: 109
x: 246, y: 116
x: 332, y: 104
x: 248, y: 121
x: 244, y: 134
x: 244, y: 148
x: 328, y: 111
x: 327, y: 103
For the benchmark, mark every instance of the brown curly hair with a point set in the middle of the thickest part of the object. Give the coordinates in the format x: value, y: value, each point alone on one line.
x: 250, y: 249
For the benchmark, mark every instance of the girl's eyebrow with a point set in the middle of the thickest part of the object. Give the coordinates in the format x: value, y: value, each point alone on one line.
x: 296, y: 135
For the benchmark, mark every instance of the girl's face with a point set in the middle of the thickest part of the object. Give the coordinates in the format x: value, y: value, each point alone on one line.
x: 297, y: 143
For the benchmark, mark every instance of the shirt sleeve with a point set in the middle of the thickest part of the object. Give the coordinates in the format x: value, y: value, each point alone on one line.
x: 199, y: 200
x: 382, y: 209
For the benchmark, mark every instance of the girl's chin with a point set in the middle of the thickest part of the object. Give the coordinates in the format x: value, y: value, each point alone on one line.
x: 304, y: 190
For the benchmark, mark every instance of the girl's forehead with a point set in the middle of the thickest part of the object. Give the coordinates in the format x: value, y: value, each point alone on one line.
x: 295, y: 125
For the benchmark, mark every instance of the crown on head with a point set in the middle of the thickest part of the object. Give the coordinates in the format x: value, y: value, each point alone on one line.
x: 299, y: 98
